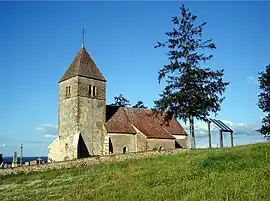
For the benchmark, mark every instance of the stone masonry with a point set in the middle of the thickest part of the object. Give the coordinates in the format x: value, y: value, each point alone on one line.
x: 88, y: 161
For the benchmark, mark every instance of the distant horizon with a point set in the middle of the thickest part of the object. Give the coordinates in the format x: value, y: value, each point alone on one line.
x: 26, y: 156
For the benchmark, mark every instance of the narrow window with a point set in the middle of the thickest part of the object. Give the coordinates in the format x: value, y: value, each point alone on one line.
x: 124, y: 150
x: 66, y: 91
x: 90, y: 90
x: 94, y: 91
x: 110, y: 146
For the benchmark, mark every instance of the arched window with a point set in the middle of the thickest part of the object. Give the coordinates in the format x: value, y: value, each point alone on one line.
x: 124, y: 150
x: 68, y: 90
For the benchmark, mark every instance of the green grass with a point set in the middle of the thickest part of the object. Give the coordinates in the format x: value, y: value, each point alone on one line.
x: 241, y: 173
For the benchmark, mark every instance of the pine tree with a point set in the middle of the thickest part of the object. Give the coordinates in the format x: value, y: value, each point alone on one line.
x: 191, y: 91
x: 121, y: 101
x: 139, y: 104
x: 264, y: 100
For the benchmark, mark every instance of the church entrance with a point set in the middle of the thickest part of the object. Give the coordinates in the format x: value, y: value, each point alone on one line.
x: 82, y: 149
x: 110, y: 146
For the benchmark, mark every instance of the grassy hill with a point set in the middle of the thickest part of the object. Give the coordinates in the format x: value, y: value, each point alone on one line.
x: 241, y: 173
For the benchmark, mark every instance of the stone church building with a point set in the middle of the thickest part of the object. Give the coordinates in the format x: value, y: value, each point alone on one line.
x: 89, y: 127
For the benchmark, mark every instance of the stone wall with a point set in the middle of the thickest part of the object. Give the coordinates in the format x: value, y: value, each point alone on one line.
x: 67, y: 121
x: 92, y: 114
x: 68, y: 107
x: 121, y: 140
x: 141, y: 142
x: 53, y: 149
x: 80, y: 112
x: 161, y: 144
x: 91, y: 125
x: 88, y: 161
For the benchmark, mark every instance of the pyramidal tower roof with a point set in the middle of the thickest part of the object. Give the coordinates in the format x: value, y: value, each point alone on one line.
x: 84, y: 66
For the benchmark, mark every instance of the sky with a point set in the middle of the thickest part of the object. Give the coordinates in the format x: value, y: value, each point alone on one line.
x: 40, y: 39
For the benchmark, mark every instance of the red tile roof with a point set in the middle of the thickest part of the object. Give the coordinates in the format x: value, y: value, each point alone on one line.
x: 121, y: 119
x: 83, y: 65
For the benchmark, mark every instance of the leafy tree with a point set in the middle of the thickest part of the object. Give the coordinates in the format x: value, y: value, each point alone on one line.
x: 264, y: 100
x: 139, y: 104
x: 191, y: 91
x: 121, y: 101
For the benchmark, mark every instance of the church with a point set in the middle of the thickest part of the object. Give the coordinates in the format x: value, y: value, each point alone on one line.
x: 88, y: 127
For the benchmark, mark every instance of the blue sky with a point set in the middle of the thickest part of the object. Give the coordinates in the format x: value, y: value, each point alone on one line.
x: 40, y: 39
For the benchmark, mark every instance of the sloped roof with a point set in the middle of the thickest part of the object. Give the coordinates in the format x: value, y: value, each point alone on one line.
x: 121, y: 119
x: 118, y: 121
x: 83, y: 65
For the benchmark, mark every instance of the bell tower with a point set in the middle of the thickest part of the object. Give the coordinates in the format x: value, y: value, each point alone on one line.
x: 81, y: 111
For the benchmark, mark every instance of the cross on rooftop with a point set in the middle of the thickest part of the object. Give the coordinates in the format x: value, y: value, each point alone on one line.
x: 83, y: 33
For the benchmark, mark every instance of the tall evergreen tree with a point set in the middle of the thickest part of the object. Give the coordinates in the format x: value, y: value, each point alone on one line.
x: 264, y: 100
x: 191, y: 91
x: 120, y: 101
x: 139, y: 104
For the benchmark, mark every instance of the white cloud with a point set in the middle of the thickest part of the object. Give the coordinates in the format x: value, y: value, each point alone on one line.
x: 247, y: 129
x: 44, y: 127
x: 241, y: 124
x: 201, y: 128
x: 252, y: 80
x: 48, y: 130
x: 50, y: 136
x: 39, y: 128
x: 244, y: 133
x: 3, y: 145
x: 228, y: 123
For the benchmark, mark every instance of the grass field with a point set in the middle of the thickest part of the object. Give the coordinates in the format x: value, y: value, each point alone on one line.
x: 241, y: 173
